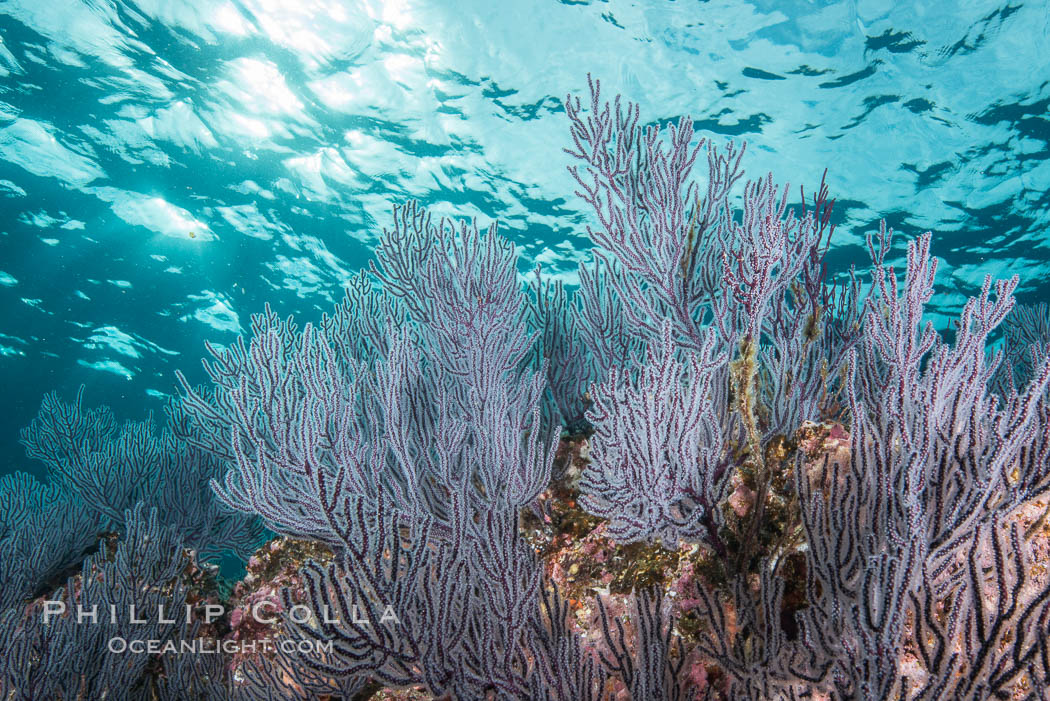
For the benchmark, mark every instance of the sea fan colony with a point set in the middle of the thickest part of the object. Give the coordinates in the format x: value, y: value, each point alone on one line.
x: 844, y: 478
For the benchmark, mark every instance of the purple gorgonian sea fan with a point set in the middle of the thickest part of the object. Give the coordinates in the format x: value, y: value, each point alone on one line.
x: 58, y: 649
x: 900, y: 531
x: 741, y: 293
x: 44, y: 533
x: 409, y: 450
x: 427, y: 391
x: 657, y: 456
x: 561, y: 350
x: 910, y: 531
x: 107, y: 467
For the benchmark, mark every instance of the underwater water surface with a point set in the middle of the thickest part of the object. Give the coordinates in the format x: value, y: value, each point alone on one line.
x: 166, y: 168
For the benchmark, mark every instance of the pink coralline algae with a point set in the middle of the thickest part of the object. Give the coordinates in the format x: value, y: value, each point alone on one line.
x: 256, y: 605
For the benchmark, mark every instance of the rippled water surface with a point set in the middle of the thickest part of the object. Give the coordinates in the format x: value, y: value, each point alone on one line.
x: 167, y: 167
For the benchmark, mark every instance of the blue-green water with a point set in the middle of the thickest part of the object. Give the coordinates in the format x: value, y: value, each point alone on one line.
x: 168, y: 167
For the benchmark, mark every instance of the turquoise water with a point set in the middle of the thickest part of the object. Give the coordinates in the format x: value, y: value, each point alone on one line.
x: 166, y: 168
